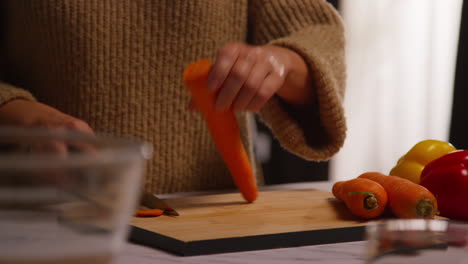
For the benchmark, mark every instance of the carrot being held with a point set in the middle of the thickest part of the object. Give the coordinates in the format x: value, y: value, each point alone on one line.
x: 406, y: 199
x: 364, y: 198
x: 223, y: 128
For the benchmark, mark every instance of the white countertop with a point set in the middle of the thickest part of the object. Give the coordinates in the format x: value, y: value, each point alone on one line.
x: 341, y: 253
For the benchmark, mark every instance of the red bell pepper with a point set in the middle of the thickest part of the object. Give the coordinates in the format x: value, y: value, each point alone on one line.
x: 447, y: 178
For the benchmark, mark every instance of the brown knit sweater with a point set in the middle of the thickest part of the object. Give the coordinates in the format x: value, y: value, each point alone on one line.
x: 117, y: 64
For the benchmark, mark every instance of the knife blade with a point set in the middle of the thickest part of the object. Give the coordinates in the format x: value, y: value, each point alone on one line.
x: 150, y: 200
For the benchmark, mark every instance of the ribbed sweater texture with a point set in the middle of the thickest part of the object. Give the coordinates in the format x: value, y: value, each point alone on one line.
x: 117, y: 64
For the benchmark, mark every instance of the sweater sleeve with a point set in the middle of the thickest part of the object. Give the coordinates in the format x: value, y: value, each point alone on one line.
x: 9, y: 92
x: 314, y: 30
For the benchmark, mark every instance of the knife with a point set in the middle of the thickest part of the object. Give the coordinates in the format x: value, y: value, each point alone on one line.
x: 150, y: 200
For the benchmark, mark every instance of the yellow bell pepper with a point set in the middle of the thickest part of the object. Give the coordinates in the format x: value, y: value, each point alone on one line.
x: 410, y: 165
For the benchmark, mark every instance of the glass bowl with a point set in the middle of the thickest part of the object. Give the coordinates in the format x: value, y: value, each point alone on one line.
x: 412, y: 241
x: 66, y: 197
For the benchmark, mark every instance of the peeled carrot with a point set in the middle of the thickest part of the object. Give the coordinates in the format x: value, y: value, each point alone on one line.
x: 223, y: 128
x: 406, y: 199
x: 149, y: 212
x: 363, y: 197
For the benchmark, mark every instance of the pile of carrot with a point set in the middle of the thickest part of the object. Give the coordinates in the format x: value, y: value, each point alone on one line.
x: 370, y: 194
x: 223, y: 128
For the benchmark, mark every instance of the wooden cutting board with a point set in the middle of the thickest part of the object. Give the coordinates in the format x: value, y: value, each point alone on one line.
x: 225, y: 223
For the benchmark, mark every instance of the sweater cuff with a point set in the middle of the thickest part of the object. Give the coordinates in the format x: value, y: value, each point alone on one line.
x: 9, y: 92
x: 316, y: 133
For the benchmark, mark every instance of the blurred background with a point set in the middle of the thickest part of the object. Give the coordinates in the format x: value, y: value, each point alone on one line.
x: 406, y: 83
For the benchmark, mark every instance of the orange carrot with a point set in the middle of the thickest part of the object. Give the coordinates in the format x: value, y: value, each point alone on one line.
x: 406, y: 199
x: 149, y: 212
x: 363, y: 197
x: 223, y: 128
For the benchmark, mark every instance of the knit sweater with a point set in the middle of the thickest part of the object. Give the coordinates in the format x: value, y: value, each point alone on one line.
x: 117, y: 64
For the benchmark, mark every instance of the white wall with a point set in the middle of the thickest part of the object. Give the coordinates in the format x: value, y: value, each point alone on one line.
x: 401, y: 67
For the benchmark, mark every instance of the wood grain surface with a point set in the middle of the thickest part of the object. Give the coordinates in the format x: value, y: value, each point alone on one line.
x: 225, y: 223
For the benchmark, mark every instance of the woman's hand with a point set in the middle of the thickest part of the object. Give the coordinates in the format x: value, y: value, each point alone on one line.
x: 25, y: 113
x: 245, y: 77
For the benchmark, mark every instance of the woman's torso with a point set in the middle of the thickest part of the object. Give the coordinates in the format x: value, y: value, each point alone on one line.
x: 118, y: 64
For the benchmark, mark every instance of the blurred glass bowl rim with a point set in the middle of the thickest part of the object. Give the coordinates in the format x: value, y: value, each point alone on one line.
x: 420, y: 224
x: 109, y: 148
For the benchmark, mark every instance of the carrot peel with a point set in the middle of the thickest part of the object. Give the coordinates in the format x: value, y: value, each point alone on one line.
x: 223, y: 128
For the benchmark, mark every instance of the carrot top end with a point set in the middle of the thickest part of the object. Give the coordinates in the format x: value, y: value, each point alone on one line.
x: 371, y: 203
x: 197, y: 70
x: 426, y: 208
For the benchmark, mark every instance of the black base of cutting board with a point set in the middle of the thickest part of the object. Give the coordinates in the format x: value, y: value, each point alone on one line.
x: 248, y: 243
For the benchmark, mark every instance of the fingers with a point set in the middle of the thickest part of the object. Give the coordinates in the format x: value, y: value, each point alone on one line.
x: 58, y: 123
x: 61, y: 147
x: 23, y: 113
x: 56, y: 147
x: 81, y: 127
x: 268, y: 88
x: 77, y: 125
x: 245, y: 77
x: 224, y: 62
x: 236, y: 78
x: 251, y: 87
